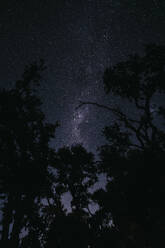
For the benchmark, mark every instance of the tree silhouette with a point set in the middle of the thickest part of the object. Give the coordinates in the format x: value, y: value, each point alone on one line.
x: 31, y: 172
x: 76, y: 173
x: 34, y: 177
x: 134, y: 157
x: 68, y: 231
x: 25, y: 153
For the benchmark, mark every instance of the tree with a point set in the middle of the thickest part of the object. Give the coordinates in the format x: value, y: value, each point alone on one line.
x: 134, y: 157
x: 75, y: 172
x: 31, y: 172
x: 68, y: 231
x: 25, y: 153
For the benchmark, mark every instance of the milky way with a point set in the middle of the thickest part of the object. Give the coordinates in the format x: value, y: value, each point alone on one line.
x: 79, y: 116
x: 78, y: 39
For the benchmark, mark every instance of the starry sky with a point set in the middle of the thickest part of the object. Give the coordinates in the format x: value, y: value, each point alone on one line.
x: 77, y: 39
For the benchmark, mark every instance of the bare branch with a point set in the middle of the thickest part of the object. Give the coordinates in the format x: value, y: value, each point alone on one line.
x: 113, y: 110
x: 122, y: 117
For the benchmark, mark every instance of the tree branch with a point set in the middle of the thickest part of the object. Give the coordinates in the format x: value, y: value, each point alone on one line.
x: 127, y: 121
x: 113, y: 110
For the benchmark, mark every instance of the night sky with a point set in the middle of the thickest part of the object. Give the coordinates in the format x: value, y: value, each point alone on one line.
x: 77, y: 39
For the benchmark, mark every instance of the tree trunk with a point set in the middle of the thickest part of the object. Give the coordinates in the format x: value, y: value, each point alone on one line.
x: 16, y: 229
x: 6, y: 221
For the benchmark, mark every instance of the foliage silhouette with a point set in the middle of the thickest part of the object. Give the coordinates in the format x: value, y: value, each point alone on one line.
x: 134, y: 157
x: 32, y: 173
x: 25, y: 153
x: 76, y: 173
x: 34, y: 177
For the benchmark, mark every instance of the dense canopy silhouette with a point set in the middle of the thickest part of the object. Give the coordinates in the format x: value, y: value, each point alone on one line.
x: 34, y: 177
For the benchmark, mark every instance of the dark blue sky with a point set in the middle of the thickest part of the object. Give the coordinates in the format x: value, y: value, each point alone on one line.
x: 77, y: 39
